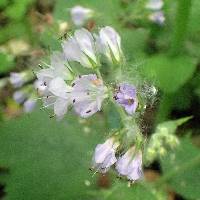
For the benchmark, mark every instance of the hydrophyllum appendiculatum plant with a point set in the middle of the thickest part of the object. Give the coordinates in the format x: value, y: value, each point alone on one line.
x: 91, y: 70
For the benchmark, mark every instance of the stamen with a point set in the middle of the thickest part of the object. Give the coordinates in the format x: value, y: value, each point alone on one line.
x: 47, y: 106
x: 97, y: 82
x: 130, y: 101
x: 115, y: 98
x: 88, y: 111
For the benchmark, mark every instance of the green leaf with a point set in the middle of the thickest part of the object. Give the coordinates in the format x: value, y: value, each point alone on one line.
x: 172, y: 125
x: 169, y: 73
x: 182, y: 170
x: 137, y: 191
x: 46, y: 159
x: 14, y: 30
x: 3, y: 3
x: 6, y: 63
x: 17, y: 9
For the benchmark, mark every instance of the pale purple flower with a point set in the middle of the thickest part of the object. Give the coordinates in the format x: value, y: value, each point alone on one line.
x: 157, y: 17
x: 81, y: 48
x: 29, y: 105
x: 88, y: 94
x: 130, y: 165
x: 109, y: 43
x: 17, y: 79
x: 19, y: 96
x: 126, y: 96
x: 154, y: 4
x: 104, y: 155
x: 80, y: 15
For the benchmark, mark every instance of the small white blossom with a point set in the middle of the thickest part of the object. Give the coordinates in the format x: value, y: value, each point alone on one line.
x: 154, y: 4
x: 58, y: 97
x: 58, y: 68
x: 19, y: 96
x: 104, y: 156
x: 130, y: 165
x: 80, y: 15
x: 88, y: 94
x: 157, y: 17
x: 29, y: 105
x: 17, y: 79
x: 109, y: 43
x: 81, y: 48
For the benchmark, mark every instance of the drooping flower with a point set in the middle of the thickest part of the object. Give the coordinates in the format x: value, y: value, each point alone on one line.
x: 19, y: 96
x: 80, y: 15
x: 58, y: 68
x: 126, y: 97
x: 109, y: 44
x: 81, y: 48
x: 154, y: 4
x: 130, y: 165
x: 58, y: 97
x: 157, y: 17
x: 104, y: 155
x: 17, y: 79
x: 29, y: 105
x: 88, y: 94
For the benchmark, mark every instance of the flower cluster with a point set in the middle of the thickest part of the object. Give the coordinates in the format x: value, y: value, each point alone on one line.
x: 63, y: 86
x: 157, y: 15
x: 160, y: 143
x: 128, y: 165
x: 74, y: 79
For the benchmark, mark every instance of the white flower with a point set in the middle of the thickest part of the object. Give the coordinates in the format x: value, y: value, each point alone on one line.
x: 154, y: 4
x: 59, y: 68
x: 80, y: 14
x: 104, y: 156
x: 88, y: 94
x: 109, y: 43
x: 130, y: 165
x: 157, y: 17
x: 58, y: 97
x: 19, y: 96
x: 29, y: 105
x: 81, y: 48
x: 17, y: 79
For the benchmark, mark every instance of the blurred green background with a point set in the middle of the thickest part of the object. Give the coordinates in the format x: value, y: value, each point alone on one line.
x: 41, y: 158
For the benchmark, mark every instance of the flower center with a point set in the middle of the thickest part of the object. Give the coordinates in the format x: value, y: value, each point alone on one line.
x: 130, y: 101
x: 97, y: 82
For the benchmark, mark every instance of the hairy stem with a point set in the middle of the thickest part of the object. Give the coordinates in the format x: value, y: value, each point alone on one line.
x: 181, y: 22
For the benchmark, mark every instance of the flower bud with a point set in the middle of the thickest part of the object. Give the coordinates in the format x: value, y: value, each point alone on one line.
x: 104, y: 156
x: 109, y: 44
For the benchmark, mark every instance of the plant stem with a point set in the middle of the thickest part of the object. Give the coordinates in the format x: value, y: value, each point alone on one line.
x: 164, y: 108
x: 98, y: 73
x: 181, y: 22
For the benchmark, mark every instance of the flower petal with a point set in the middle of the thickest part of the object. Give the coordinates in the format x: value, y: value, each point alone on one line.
x: 59, y: 88
x: 60, y: 107
x: 86, y: 43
